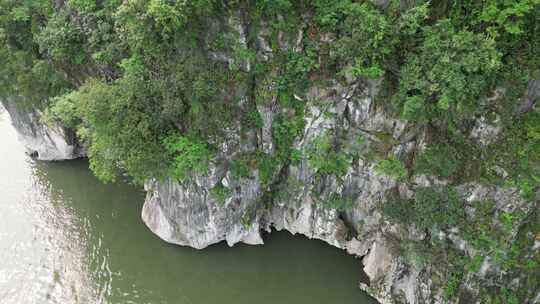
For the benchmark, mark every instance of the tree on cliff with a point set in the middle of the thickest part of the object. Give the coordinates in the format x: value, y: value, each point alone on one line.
x: 155, y: 88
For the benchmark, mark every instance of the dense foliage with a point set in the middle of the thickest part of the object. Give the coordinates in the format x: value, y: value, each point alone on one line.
x: 155, y: 88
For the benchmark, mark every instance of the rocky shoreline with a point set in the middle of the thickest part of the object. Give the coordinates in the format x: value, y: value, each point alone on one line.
x: 186, y: 213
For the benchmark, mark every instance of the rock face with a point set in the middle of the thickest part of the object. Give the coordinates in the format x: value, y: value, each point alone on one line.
x: 344, y: 210
x: 43, y: 141
x: 187, y: 214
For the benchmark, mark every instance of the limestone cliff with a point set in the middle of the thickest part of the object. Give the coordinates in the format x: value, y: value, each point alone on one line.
x: 186, y: 213
x: 343, y: 209
x: 43, y: 141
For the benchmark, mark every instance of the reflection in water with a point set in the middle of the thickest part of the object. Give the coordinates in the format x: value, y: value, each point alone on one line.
x: 67, y: 238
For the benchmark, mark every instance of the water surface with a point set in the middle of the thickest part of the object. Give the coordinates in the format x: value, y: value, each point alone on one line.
x: 67, y: 238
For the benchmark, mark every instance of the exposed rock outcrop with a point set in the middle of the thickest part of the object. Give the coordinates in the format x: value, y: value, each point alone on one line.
x: 186, y: 213
x: 342, y: 209
x: 43, y: 141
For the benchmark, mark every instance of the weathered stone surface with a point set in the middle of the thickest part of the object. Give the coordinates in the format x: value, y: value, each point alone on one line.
x: 186, y: 213
x: 43, y: 141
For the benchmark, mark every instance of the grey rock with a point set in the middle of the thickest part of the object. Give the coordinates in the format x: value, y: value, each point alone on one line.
x: 485, y: 132
x: 185, y: 213
x: 44, y: 141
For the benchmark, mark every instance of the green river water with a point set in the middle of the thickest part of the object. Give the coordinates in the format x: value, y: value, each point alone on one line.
x: 67, y: 238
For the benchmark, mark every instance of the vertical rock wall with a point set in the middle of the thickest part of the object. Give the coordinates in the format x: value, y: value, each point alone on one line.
x: 43, y: 141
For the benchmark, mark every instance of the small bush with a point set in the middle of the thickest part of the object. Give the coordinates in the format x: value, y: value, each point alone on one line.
x: 440, y: 160
x: 190, y: 155
x: 239, y: 168
x: 392, y: 167
x: 325, y: 159
x: 220, y: 193
x: 432, y: 207
x: 338, y: 202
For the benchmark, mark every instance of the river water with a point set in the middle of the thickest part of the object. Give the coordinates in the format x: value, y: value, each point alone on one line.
x: 67, y: 238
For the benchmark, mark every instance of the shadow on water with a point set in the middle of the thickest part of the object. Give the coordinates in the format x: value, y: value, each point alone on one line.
x: 125, y: 263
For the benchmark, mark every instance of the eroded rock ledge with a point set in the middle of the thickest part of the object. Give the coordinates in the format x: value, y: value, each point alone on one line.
x: 43, y: 141
x: 297, y: 198
x: 186, y: 213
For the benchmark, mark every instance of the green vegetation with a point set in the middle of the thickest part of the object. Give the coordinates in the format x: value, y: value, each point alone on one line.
x: 189, y: 155
x: 439, y: 160
x: 505, y: 238
x: 157, y: 88
x: 220, y: 193
x: 337, y: 202
x: 325, y: 159
x: 444, y: 78
x: 239, y: 168
x: 431, y: 209
x: 392, y: 167
x: 518, y: 152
